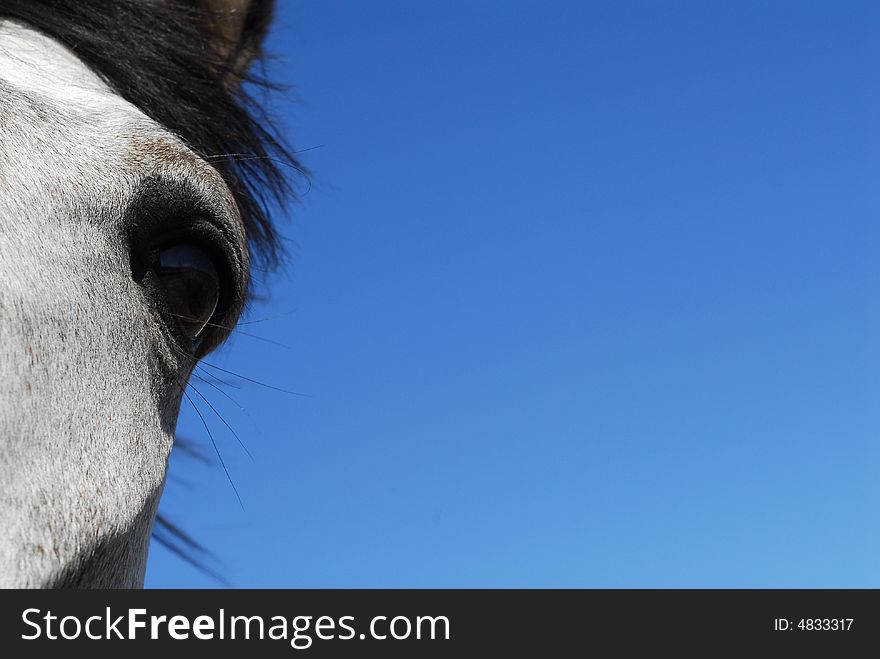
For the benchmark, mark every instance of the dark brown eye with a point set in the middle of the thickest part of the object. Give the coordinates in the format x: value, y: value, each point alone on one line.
x: 192, y: 285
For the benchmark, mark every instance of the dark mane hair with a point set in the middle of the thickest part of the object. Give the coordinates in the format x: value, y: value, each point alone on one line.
x: 156, y: 55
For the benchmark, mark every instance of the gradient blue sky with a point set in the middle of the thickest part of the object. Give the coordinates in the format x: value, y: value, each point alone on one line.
x: 583, y: 293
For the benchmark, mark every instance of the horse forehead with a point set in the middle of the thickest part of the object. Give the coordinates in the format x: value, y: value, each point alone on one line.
x: 45, y: 72
x: 56, y: 113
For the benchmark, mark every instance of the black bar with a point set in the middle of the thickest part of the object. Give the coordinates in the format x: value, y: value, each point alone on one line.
x: 524, y: 622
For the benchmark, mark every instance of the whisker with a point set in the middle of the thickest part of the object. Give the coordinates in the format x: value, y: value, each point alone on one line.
x: 263, y: 320
x: 211, y: 384
x: 262, y: 384
x: 245, y: 157
x: 186, y: 447
x: 236, y: 330
x: 225, y: 423
x: 260, y: 338
x: 217, y: 450
x: 202, y: 372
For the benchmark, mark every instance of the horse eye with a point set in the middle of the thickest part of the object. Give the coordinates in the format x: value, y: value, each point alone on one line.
x: 192, y: 285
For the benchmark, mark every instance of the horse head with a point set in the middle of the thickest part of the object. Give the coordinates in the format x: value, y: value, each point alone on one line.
x: 133, y: 175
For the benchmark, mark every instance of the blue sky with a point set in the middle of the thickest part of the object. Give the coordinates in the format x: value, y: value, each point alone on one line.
x: 582, y: 294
